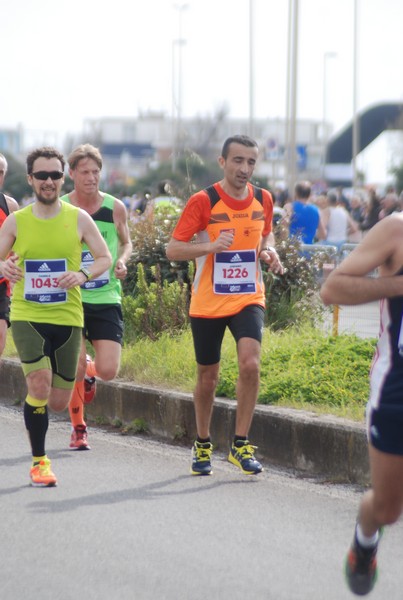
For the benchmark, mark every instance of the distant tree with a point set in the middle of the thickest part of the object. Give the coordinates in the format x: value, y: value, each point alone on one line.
x: 191, y: 174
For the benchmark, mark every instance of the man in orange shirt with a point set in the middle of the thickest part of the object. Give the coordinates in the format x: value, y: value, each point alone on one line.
x: 232, y: 222
x: 7, y: 205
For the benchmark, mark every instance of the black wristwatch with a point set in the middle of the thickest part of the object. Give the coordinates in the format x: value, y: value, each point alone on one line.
x: 86, y: 272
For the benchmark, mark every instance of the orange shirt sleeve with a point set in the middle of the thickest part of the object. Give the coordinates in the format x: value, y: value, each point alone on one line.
x: 268, y: 211
x: 194, y: 218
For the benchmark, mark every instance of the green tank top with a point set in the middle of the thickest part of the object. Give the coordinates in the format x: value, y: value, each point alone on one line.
x: 105, y: 289
x: 47, y: 248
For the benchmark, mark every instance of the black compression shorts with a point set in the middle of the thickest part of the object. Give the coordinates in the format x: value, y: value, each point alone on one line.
x: 208, y: 334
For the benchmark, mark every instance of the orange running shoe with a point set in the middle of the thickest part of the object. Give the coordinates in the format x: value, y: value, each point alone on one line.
x: 41, y: 474
x: 361, y: 569
x: 79, y: 438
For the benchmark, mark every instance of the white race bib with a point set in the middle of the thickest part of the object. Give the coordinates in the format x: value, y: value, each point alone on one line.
x: 235, y: 272
x: 41, y: 282
x: 86, y: 260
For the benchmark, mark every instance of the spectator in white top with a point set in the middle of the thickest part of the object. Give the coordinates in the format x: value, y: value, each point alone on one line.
x: 338, y: 224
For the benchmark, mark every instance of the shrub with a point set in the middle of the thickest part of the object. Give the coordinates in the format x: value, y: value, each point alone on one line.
x: 309, y: 369
x: 150, y: 237
x: 292, y: 298
x: 158, y: 306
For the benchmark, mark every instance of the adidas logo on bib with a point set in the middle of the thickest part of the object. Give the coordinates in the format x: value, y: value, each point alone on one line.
x: 236, y: 258
x: 44, y: 267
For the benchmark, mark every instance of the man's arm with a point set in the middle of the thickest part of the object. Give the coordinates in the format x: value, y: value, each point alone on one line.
x: 125, y: 242
x: 268, y: 254
x: 178, y: 250
x: 91, y: 235
x: 12, y: 204
x: 349, y: 283
x: 321, y: 232
x: 8, y: 266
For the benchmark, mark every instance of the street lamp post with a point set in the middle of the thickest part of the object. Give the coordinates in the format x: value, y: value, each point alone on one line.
x: 251, y: 70
x: 177, y: 87
x: 326, y: 57
x: 292, y: 79
x: 356, y: 124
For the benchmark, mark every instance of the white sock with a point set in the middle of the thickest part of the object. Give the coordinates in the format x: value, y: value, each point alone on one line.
x: 364, y: 540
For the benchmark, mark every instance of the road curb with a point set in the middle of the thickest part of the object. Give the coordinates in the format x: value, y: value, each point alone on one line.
x: 312, y: 445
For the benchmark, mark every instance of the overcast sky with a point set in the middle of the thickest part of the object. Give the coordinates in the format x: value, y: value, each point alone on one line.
x: 69, y: 60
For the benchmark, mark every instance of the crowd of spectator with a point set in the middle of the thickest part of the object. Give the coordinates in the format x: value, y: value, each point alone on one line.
x: 332, y: 217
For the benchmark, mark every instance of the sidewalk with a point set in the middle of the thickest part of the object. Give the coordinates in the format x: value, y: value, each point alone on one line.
x: 311, y: 445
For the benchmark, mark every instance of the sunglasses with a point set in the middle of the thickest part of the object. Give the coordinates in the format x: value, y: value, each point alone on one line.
x: 44, y: 175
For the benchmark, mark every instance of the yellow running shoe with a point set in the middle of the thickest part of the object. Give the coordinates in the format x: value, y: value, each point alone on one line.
x: 242, y: 455
x: 41, y: 474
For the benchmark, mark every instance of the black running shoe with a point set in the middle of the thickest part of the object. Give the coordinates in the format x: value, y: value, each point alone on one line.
x: 361, y: 569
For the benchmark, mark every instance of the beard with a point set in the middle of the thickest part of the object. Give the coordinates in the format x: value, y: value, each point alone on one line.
x: 47, y: 201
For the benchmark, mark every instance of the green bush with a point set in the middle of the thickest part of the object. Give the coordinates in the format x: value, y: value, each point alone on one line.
x: 311, y: 371
x: 292, y: 298
x: 157, y: 307
x: 150, y: 237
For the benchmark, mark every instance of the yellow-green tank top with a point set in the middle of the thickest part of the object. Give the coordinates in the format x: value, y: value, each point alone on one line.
x: 43, y: 245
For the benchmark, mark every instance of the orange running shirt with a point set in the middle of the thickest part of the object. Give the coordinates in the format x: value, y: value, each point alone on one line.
x: 225, y: 283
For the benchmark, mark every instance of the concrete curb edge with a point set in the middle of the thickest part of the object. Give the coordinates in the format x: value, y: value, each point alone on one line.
x: 312, y: 445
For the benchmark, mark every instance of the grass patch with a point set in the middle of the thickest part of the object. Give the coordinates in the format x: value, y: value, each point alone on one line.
x: 166, y: 362
x: 301, y: 368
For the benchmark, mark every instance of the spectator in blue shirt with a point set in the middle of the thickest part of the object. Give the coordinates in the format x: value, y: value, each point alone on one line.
x: 303, y: 217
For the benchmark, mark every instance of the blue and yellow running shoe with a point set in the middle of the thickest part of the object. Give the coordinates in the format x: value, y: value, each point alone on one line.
x: 242, y: 455
x: 201, y: 458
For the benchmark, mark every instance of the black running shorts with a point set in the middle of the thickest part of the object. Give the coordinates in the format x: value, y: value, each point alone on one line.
x: 103, y: 322
x: 208, y: 334
x: 4, y: 303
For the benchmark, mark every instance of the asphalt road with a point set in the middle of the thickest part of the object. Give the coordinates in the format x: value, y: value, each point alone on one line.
x: 127, y: 521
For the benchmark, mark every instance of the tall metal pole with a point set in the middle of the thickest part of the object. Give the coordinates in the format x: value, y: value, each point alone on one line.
x: 292, y: 71
x: 251, y: 70
x: 173, y: 131
x: 356, y: 124
x: 288, y: 94
x: 326, y: 56
x: 177, y: 86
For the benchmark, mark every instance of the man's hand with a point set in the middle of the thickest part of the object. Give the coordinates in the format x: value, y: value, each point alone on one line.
x: 70, y: 279
x: 10, y: 270
x: 223, y: 242
x: 272, y: 259
x: 120, y: 269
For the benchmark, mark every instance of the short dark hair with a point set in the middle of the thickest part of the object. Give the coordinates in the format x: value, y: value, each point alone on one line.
x: 332, y: 197
x: 44, y: 152
x: 245, y: 140
x: 303, y: 190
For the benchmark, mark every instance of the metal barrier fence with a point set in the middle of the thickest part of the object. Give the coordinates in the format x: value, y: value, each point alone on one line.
x: 361, y: 320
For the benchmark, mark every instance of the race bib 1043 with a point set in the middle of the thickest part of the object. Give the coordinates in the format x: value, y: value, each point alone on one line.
x: 41, y: 283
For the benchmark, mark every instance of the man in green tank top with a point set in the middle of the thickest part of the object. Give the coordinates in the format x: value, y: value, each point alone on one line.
x: 46, y: 310
x: 102, y: 296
